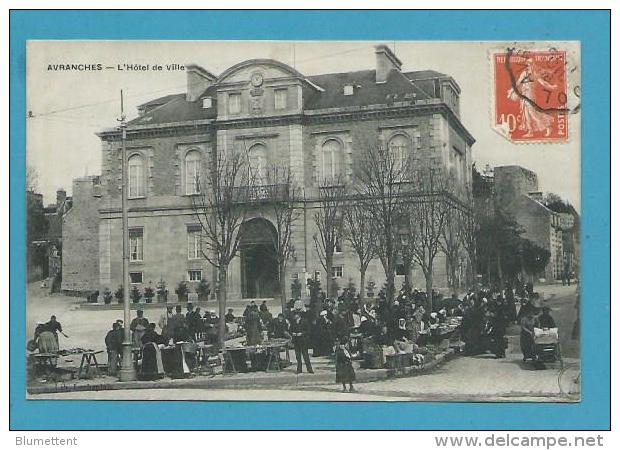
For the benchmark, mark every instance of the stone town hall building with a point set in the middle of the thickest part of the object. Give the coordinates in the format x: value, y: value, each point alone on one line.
x: 313, y: 124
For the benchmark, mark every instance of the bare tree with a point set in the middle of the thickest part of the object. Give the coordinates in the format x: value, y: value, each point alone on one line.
x: 221, y: 207
x: 427, y: 219
x: 360, y: 234
x: 380, y: 178
x: 450, y: 243
x: 282, y: 204
x: 329, y: 223
x: 467, y: 232
x: 32, y: 179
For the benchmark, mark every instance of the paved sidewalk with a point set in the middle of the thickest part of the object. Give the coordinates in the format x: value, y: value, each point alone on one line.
x: 324, y: 373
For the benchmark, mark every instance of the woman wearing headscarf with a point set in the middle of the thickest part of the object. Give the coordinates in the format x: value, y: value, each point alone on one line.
x: 253, y: 326
x: 324, y: 341
x: 345, y: 373
x: 152, y: 367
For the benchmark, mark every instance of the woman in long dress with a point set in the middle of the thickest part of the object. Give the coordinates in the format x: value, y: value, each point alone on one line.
x: 47, y: 342
x: 528, y: 347
x: 345, y: 373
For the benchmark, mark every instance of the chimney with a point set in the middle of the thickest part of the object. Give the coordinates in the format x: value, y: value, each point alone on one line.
x: 386, y: 61
x: 61, y: 196
x: 198, y: 80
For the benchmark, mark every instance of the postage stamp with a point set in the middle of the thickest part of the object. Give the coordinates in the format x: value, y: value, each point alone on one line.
x: 531, y: 95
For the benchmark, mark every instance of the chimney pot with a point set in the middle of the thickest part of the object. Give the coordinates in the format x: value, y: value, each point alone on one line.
x: 386, y: 61
x: 198, y: 80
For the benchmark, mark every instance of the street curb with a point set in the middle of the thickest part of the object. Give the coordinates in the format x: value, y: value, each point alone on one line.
x: 260, y: 379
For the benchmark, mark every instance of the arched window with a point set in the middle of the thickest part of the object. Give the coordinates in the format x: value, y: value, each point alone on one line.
x: 399, y: 147
x: 257, y: 159
x: 136, y: 176
x: 192, y: 172
x: 333, y: 159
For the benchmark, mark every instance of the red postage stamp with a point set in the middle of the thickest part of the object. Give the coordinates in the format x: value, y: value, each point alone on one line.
x: 530, y: 93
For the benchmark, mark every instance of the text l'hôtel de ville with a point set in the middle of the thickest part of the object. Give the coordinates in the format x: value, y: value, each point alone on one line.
x: 125, y: 67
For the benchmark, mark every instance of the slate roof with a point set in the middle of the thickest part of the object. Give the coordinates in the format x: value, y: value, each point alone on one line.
x: 175, y: 108
x: 398, y: 87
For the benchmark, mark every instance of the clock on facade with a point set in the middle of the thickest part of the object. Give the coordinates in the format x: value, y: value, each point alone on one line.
x: 256, y: 79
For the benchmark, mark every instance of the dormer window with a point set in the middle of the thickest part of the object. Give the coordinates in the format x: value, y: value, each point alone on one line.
x: 207, y: 102
x: 348, y: 89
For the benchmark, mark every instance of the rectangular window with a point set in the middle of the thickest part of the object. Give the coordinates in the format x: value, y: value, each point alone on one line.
x: 234, y: 103
x: 136, y: 178
x: 336, y: 271
x: 400, y: 269
x: 194, y: 244
x: 280, y: 97
x: 136, y: 244
x: 194, y: 275
x: 135, y: 277
x: 192, y: 176
x: 207, y: 102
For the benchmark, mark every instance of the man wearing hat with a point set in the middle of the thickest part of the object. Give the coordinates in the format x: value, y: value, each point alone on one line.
x: 299, y: 331
x: 114, y: 345
x: 138, y: 326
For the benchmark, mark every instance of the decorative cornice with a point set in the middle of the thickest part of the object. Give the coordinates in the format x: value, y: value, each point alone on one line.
x: 328, y: 115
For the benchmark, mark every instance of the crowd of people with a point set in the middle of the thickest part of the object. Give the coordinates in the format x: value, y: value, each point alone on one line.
x: 337, y: 327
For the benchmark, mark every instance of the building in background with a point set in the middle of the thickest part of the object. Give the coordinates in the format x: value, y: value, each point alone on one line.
x: 552, y: 227
x: 314, y: 125
x: 45, y: 237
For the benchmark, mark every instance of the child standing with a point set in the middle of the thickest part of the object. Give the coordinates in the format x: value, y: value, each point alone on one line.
x: 344, y: 366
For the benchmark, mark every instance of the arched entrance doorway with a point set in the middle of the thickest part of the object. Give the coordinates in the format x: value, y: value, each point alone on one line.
x: 259, y: 269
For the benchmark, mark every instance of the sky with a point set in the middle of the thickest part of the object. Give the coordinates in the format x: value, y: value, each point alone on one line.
x: 69, y: 107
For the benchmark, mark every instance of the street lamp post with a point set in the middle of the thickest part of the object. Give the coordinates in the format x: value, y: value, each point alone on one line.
x: 127, y: 372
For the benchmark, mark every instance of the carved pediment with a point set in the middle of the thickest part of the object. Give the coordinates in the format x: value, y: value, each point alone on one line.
x: 268, y: 68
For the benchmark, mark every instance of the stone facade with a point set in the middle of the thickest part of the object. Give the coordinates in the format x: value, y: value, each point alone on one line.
x: 80, y: 249
x: 516, y: 192
x: 290, y: 117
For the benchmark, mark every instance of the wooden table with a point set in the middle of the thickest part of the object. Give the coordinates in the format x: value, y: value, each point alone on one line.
x: 45, y: 360
x: 89, y: 360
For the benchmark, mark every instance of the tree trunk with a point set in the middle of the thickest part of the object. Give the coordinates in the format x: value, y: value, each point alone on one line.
x: 453, y: 279
x: 221, y: 300
x: 428, y: 276
x: 362, y: 283
x: 408, y: 274
x: 474, y: 268
x: 389, y: 289
x: 282, y: 280
x: 489, y: 269
x: 500, y: 274
x: 329, y: 263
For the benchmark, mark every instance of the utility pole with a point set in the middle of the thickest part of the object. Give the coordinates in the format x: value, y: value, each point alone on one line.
x: 127, y: 372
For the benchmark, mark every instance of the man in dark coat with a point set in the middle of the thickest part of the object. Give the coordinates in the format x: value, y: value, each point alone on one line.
x: 193, y: 320
x: 114, y: 344
x: 299, y: 330
x: 177, y: 320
